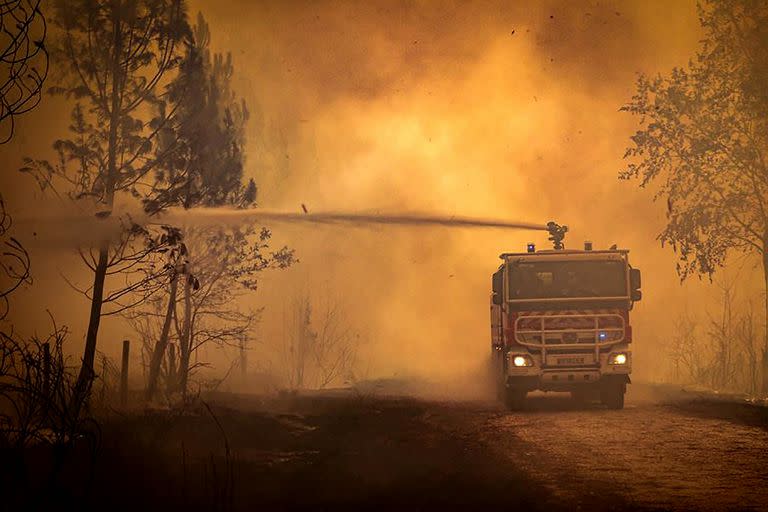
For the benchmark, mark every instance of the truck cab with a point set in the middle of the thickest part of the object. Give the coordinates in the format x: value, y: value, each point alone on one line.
x: 560, y: 321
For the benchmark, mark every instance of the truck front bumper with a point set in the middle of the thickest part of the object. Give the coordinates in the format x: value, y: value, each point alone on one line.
x: 564, y: 380
x: 548, y: 378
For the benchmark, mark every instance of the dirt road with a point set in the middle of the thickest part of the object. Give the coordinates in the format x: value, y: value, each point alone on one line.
x: 660, y: 452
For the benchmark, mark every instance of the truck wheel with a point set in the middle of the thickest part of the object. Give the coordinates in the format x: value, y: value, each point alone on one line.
x: 613, y: 396
x: 580, y: 397
x: 515, y: 399
x: 501, y: 392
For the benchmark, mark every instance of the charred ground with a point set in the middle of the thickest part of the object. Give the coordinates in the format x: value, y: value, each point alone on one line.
x: 667, y: 450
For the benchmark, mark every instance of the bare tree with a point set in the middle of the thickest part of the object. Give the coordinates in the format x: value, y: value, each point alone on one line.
x: 23, y: 68
x: 296, y: 341
x: 688, y: 352
x: 725, y: 354
x: 158, y: 353
x: 14, y: 262
x: 748, y: 340
x: 317, y: 349
x: 147, y: 322
x: 335, y: 346
x: 225, y: 266
x: 721, y: 334
x: 23, y: 61
x: 216, y: 267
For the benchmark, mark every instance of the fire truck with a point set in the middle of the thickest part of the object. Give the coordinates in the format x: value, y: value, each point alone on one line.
x: 560, y: 322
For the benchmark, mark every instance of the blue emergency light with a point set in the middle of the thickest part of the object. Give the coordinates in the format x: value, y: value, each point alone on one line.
x: 531, y: 247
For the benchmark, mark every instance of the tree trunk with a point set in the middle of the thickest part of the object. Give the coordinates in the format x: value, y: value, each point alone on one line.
x: 243, y: 365
x: 185, y: 343
x: 85, y: 377
x: 765, y: 317
x: 162, y: 343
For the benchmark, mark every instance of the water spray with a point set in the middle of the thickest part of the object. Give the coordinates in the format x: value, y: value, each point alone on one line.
x: 206, y: 215
x: 82, y: 229
x: 216, y: 215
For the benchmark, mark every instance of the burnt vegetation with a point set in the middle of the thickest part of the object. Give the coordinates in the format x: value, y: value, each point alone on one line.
x: 23, y: 61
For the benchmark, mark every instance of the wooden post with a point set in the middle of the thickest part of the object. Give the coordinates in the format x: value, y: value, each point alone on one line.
x: 243, y: 364
x: 124, y: 373
x: 171, y: 367
x: 104, y: 369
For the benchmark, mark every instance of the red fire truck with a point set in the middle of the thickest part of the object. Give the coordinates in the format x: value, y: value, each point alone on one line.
x: 560, y: 322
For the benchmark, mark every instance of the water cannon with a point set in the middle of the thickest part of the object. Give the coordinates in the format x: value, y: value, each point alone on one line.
x: 557, y: 234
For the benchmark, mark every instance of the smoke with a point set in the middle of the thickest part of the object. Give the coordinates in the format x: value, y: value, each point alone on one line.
x: 482, y: 111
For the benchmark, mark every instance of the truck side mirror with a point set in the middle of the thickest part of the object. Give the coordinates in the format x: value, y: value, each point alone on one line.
x: 497, y: 285
x: 635, y: 283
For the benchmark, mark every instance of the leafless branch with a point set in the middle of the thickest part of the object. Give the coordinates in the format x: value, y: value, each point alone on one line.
x: 23, y: 61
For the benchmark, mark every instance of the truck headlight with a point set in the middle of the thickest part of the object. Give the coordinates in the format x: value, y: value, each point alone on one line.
x: 620, y: 358
x: 520, y: 361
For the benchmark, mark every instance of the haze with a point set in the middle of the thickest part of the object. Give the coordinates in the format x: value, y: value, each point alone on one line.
x: 489, y: 109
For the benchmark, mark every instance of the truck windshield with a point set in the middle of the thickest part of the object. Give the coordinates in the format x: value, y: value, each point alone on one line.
x: 570, y: 279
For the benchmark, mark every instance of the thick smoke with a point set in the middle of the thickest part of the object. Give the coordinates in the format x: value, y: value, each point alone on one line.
x: 491, y: 109
x: 502, y: 110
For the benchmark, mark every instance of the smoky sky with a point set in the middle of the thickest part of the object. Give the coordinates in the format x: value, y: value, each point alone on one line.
x: 508, y: 110
x: 367, y: 49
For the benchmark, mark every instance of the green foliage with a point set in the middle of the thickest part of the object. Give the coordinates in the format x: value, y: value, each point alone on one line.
x: 114, y: 58
x: 207, y: 167
x: 154, y: 118
x: 703, y: 139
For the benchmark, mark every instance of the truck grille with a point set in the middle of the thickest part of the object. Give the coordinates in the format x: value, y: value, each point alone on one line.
x: 570, y: 329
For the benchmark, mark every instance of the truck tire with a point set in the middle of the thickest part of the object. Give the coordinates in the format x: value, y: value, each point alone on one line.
x: 501, y: 391
x: 515, y: 399
x: 612, y: 396
x: 581, y: 397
